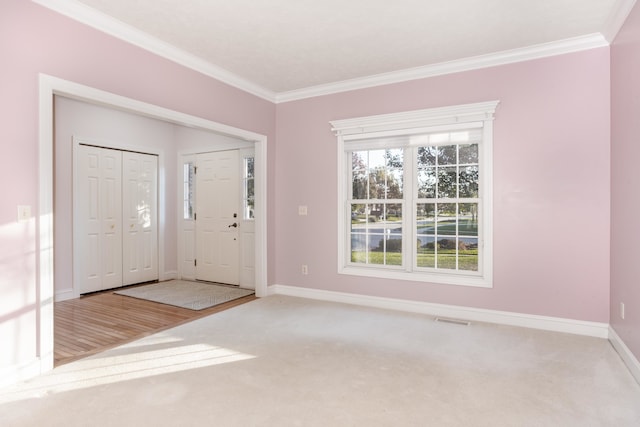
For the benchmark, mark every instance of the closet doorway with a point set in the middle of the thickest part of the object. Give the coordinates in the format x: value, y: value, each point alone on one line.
x: 116, y: 217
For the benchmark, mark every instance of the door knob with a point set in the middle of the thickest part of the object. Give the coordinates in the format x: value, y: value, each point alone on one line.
x: 234, y: 225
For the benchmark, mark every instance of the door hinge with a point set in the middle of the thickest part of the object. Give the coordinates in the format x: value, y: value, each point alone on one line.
x: 195, y: 262
x: 195, y: 170
x: 195, y: 216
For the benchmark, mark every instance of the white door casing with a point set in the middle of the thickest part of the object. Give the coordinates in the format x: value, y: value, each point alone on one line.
x: 140, y: 217
x: 98, y: 235
x: 217, y: 208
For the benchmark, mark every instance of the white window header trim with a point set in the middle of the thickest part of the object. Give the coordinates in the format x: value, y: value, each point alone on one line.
x: 466, y: 113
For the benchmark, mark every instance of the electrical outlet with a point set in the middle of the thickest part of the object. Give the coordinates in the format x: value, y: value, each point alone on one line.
x: 305, y: 269
x: 622, y: 310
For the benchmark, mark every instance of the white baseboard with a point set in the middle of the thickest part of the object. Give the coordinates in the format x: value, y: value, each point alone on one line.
x: 70, y: 294
x: 64, y: 295
x: 556, y: 324
x: 169, y: 275
x: 627, y: 356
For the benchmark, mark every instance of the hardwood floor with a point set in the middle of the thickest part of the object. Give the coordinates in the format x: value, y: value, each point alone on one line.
x: 97, y: 322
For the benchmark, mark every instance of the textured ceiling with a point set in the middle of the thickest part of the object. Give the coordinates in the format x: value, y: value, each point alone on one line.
x: 285, y: 45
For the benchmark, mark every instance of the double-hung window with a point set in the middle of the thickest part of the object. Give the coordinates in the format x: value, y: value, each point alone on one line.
x: 415, y: 195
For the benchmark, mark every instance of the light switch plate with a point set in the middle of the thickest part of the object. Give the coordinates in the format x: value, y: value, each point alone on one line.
x: 24, y: 213
x: 302, y: 210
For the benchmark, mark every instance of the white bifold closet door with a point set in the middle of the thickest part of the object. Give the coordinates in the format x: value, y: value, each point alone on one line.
x: 140, y: 218
x: 116, y: 226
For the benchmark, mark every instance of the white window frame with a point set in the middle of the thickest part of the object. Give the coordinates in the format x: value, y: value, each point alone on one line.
x: 351, y: 133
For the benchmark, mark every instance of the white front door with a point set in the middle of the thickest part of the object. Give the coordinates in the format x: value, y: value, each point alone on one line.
x: 140, y: 217
x: 98, y: 236
x: 217, y: 217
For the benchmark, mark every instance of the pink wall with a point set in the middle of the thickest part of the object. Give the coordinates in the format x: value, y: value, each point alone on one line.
x: 625, y: 198
x: 36, y: 40
x: 551, y: 174
x: 551, y: 185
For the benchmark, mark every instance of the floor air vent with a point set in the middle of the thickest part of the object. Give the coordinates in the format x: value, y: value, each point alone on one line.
x: 454, y: 321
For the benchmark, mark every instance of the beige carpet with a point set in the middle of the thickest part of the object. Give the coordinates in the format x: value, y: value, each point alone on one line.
x: 283, y: 361
x: 182, y: 293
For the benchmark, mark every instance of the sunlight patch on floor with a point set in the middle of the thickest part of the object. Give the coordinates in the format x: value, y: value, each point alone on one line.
x: 96, y: 371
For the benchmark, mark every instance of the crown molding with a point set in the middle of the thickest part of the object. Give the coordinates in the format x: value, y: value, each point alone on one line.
x: 575, y: 44
x: 102, y: 22
x: 619, y: 14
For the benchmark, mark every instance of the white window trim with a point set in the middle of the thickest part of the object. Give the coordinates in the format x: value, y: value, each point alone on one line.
x: 349, y: 131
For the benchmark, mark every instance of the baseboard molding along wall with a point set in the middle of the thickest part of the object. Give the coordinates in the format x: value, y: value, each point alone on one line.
x: 555, y: 324
x: 64, y: 295
x: 67, y: 294
x: 169, y: 275
x: 627, y: 356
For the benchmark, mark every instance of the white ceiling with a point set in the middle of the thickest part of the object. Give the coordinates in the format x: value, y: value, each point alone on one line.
x: 286, y: 46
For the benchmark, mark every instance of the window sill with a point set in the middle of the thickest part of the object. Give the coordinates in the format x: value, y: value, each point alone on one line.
x: 476, y: 281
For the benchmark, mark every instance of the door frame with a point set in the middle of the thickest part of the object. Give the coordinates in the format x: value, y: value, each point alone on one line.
x: 50, y: 86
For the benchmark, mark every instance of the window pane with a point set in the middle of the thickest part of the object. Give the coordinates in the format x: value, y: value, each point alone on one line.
x: 377, y: 246
x: 468, y: 219
x: 427, y: 156
x: 394, y: 184
x: 447, y: 182
x: 393, y: 250
x: 446, y: 221
x: 468, y: 181
x: 447, y: 155
x: 426, y: 251
x: 377, y: 183
x: 249, y: 167
x: 394, y: 158
x: 426, y: 229
x: 359, y: 247
x: 248, y: 195
x: 427, y: 183
x: 359, y: 160
x: 446, y: 253
x: 468, y: 154
x: 249, y: 209
x: 188, y: 173
x: 393, y: 217
x: 359, y: 184
x: 250, y: 190
x: 468, y: 254
x: 358, y: 217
